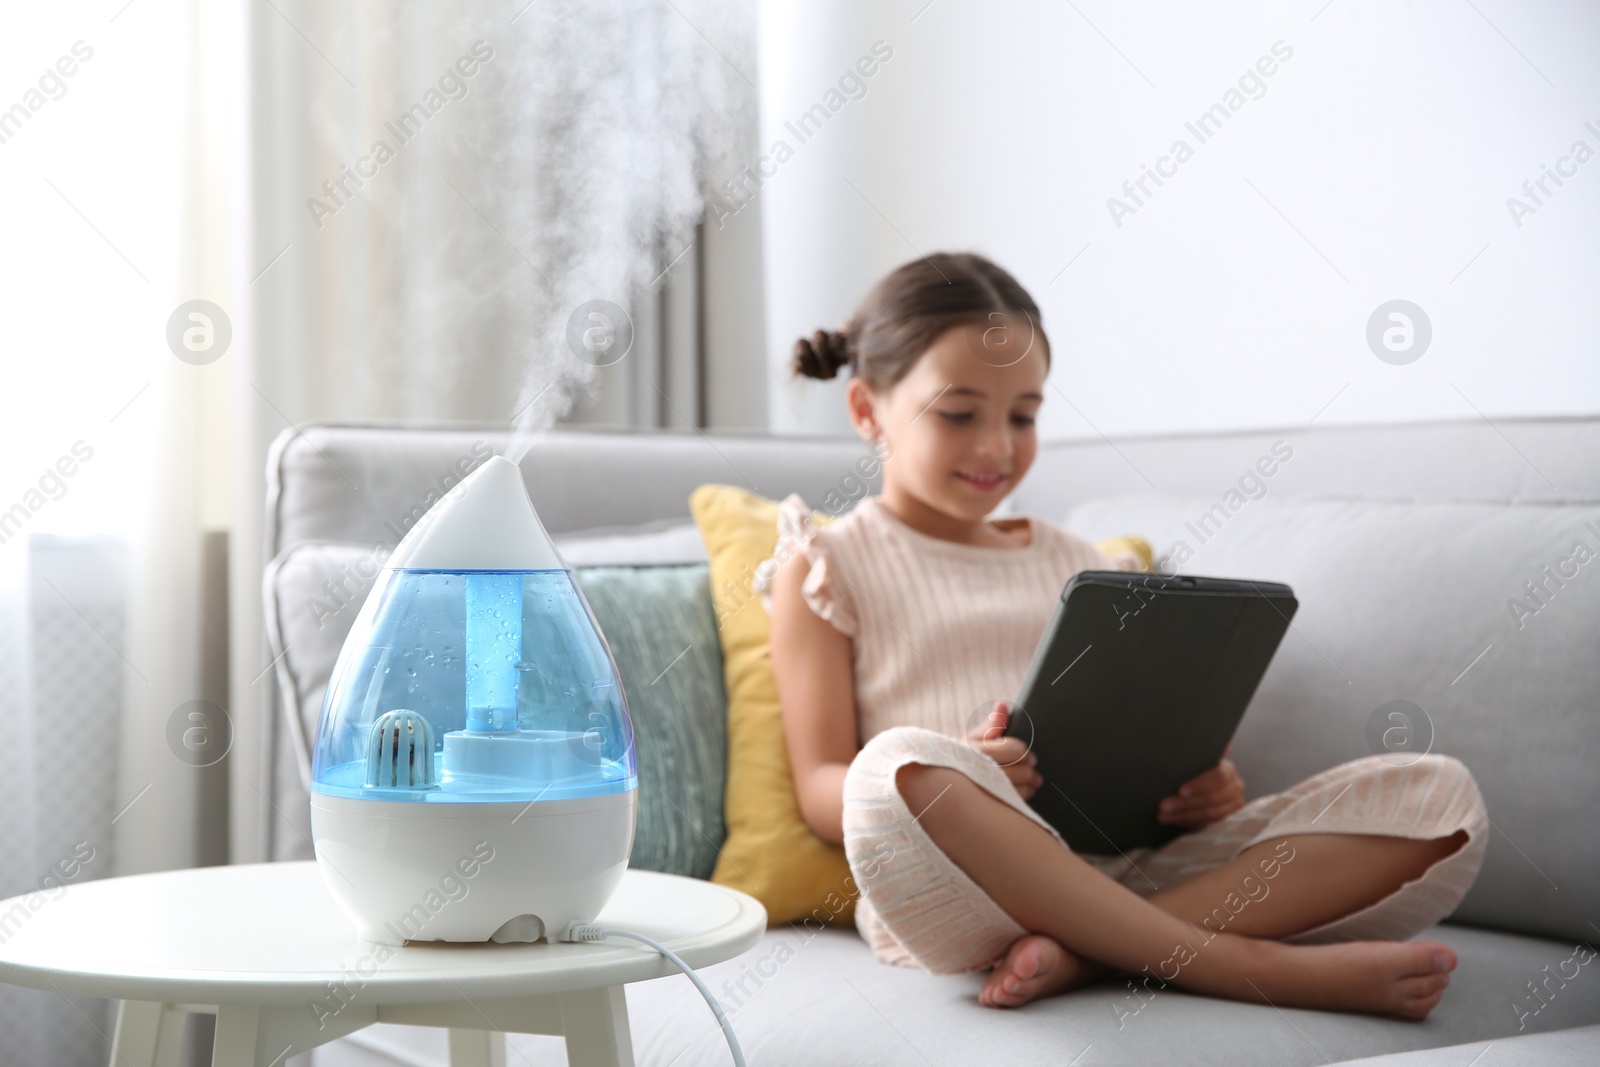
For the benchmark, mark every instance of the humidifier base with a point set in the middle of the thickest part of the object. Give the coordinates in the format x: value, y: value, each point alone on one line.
x: 471, y: 871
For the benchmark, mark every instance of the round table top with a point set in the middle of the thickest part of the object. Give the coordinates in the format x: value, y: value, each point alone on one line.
x: 269, y: 933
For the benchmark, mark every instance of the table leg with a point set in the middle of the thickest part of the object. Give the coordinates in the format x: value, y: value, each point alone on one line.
x: 595, y: 1022
x: 148, y: 1035
x: 170, y: 1045
x: 138, y: 1033
x: 477, y: 1048
x: 254, y: 1036
x: 237, y: 1029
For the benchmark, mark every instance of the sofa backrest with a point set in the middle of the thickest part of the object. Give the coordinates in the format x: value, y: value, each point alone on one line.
x: 366, y: 485
x: 361, y: 483
x: 1546, y: 459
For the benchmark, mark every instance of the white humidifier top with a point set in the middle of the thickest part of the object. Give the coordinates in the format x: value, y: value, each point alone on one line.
x: 487, y: 523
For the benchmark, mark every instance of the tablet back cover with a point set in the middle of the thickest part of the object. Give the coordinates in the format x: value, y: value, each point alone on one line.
x: 1140, y: 683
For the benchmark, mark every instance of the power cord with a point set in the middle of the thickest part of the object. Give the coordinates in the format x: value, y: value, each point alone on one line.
x: 587, y: 932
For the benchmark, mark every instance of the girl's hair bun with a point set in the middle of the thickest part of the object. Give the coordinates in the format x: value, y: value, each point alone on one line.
x: 821, y: 355
x: 910, y: 309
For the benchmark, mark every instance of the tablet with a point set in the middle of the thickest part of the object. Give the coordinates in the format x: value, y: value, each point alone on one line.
x: 1137, y: 686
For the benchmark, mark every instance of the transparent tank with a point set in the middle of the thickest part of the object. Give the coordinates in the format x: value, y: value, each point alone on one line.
x: 475, y: 684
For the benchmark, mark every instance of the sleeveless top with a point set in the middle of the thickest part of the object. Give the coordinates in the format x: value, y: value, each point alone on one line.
x: 940, y: 630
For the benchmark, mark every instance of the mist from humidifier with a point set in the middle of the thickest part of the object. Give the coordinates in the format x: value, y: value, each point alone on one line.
x: 493, y: 648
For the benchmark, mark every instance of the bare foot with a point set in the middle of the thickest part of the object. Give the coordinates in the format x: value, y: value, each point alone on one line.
x: 1036, y: 966
x: 1405, y: 979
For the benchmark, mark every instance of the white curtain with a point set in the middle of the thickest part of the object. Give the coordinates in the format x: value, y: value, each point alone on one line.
x: 112, y: 460
x: 439, y: 187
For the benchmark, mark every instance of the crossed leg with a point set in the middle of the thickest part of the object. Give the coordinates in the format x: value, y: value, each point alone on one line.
x: 1085, y: 923
x: 1331, y: 875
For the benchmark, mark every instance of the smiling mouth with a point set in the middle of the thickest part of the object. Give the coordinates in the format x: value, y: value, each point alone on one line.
x: 989, y: 481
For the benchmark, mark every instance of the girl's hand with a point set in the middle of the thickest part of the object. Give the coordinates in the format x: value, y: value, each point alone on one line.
x: 1205, y: 798
x: 1009, y: 752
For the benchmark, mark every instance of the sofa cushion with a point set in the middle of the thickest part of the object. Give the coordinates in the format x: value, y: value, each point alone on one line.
x: 882, y: 1014
x: 1484, y: 616
x: 658, y: 622
x: 1577, y: 1047
x: 817, y: 996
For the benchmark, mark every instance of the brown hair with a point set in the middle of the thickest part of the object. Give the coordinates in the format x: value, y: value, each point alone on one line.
x: 907, y: 311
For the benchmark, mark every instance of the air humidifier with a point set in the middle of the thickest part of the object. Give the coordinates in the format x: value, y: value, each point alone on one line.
x: 474, y: 774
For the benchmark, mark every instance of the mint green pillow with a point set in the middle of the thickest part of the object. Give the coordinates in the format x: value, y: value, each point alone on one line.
x: 662, y: 630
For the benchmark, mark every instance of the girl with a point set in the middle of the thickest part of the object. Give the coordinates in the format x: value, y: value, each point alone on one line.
x: 898, y: 628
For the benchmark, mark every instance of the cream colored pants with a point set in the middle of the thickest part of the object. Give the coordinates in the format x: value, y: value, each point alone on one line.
x: 917, y: 908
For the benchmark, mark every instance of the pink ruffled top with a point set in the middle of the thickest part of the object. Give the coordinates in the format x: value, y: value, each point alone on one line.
x: 939, y: 630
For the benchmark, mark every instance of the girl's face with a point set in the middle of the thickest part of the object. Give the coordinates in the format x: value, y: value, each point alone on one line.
x: 959, y: 427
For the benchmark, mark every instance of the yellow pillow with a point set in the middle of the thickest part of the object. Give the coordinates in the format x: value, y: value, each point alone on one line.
x: 1137, y: 547
x: 770, y: 852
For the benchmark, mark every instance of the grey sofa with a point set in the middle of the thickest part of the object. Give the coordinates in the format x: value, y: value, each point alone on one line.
x: 1435, y: 563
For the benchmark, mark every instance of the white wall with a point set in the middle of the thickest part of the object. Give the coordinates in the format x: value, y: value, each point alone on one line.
x: 1376, y: 165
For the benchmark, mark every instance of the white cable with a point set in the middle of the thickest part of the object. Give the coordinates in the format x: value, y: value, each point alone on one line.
x: 586, y: 932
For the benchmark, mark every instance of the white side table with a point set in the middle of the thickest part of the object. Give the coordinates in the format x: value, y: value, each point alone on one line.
x: 265, y: 948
